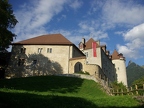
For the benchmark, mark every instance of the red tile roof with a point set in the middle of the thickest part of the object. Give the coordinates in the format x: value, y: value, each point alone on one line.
x: 89, y: 43
x: 57, y: 39
x: 115, y: 55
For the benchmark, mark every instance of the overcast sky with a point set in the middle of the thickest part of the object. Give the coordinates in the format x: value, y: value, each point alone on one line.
x: 117, y: 23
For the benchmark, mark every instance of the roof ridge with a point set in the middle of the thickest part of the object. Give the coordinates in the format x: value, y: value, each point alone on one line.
x: 46, y: 39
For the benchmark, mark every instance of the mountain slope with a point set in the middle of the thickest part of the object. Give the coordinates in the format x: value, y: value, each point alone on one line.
x: 134, y: 72
x: 142, y: 66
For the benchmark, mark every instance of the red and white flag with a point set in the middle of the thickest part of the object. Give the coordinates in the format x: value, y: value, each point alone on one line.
x: 94, y: 45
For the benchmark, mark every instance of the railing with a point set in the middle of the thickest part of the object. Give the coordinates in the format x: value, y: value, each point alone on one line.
x: 137, y: 89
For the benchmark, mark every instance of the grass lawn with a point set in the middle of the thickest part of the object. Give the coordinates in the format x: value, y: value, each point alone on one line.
x: 58, y: 92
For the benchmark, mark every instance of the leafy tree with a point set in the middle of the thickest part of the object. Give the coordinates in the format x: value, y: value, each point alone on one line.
x: 7, y: 22
x: 139, y: 82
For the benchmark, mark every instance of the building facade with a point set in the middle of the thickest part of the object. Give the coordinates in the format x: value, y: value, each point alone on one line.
x: 43, y: 55
x: 54, y: 54
x: 113, y: 66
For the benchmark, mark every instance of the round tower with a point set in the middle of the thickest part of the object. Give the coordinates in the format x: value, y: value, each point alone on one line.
x: 120, y: 67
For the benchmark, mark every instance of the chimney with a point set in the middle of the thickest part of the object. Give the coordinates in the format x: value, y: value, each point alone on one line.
x: 110, y: 57
x: 82, y: 44
x: 121, y: 56
x: 83, y: 41
x: 104, y: 48
x: 107, y: 53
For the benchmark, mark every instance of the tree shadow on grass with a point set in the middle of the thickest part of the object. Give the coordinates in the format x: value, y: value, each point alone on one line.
x: 25, y: 100
x: 58, y: 84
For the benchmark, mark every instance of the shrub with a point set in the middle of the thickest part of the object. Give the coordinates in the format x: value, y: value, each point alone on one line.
x: 82, y: 72
x: 118, y: 86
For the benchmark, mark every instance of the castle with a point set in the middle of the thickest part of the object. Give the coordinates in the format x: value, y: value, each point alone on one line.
x: 54, y: 54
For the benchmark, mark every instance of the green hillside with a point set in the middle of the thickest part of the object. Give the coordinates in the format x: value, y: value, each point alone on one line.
x: 58, y: 92
x: 134, y: 72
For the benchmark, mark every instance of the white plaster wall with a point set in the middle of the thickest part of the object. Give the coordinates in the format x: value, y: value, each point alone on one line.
x: 93, y: 60
x: 59, y: 58
x: 60, y: 53
x: 121, y: 71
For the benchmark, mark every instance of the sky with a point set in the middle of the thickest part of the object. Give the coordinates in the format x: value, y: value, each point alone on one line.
x: 119, y: 24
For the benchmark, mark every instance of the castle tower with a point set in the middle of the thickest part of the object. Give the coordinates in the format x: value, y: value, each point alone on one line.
x: 120, y: 67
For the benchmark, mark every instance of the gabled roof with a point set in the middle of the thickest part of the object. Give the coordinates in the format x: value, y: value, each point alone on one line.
x: 89, y: 43
x: 115, y: 55
x: 56, y: 39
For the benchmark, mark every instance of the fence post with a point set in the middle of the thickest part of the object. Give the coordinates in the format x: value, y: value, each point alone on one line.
x: 136, y: 89
x: 131, y: 90
x: 128, y: 91
x: 122, y: 91
x: 117, y: 92
x: 107, y: 81
x: 113, y: 93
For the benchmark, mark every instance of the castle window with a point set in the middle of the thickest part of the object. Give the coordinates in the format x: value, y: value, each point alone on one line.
x: 49, y: 50
x: 118, y: 68
x: 21, y: 62
x: 34, y: 62
x: 86, y: 53
x: 23, y: 50
x: 39, y: 50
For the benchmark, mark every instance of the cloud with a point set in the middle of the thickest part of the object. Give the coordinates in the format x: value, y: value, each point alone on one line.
x: 128, y: 52
x: 34, y: 16
x: 76, y: 4
x: 119, y: 12
x: 91, y: 28
x: 62, y: 17
x: 135, y: 32
x: 134, y: 47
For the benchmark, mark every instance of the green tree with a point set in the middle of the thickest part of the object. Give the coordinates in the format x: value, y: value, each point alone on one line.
x: 7, y: 22
x: 139, y: 82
